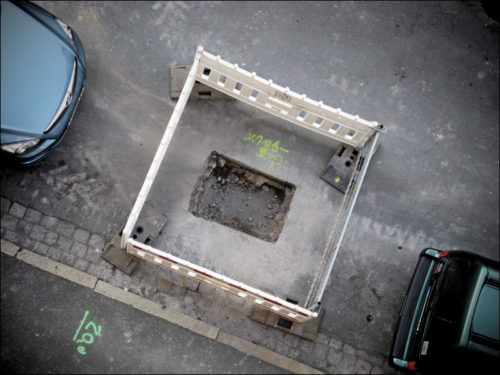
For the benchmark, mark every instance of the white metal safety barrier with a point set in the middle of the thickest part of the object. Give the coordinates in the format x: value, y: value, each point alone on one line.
x: 265, y: 300
x: 284, y: 103
x: 281, y: 102
x: 340, y: 225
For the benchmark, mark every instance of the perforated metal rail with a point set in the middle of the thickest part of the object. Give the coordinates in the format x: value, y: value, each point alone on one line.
x: 340, y: 226
x: 265, y: 300
x: 284, y: 103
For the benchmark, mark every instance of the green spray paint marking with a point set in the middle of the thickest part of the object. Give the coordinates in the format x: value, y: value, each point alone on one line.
x: 81, y: 324
x: 87, y: 337
x: 269, y: 150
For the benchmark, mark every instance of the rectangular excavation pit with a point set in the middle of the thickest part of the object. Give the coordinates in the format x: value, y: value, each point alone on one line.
x: 241, y: 198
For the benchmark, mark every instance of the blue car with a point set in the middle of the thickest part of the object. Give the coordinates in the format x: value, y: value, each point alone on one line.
x: 42, y: 80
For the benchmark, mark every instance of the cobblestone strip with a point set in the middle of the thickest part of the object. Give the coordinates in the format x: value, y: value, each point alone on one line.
x: 64, y: 242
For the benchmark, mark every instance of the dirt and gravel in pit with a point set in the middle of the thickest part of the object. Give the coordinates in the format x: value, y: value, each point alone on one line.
x: 241, y: 198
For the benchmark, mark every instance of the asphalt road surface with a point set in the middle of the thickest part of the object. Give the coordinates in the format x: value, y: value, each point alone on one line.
x: 51, y: 325
x: 427, y: 70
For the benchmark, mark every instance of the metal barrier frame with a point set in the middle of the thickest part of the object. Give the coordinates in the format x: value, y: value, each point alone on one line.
x: 284, y: 103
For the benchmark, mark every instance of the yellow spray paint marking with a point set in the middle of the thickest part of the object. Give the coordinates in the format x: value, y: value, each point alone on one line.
x: 269, y: 150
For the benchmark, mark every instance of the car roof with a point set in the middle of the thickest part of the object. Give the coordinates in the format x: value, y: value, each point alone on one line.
x: 480, y: 331
x: 485, y: 320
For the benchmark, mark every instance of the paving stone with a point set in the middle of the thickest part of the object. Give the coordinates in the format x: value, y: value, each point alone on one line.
x: 376, y: 360
x: 247, y: 308
x: 204, y: 303
x: 106, y: 264
x: 193, y: 296
x: 291, y: 340
x: 362, y: 367
x: 100, y: 272
x: 105, y: 273
x: 4, y: 205
x: 148, y: 291
x: 163, y: 285
x: 337, y: 345
x: 190, y: 283
x: 38, y: 232
x: 93, y: 255
x: 17, y: 210
x: 234, y: 302
x: 54, y: 254
x: 177, y: 291
x: 293, y: 353
x: 349, y: 350
x: 120, y: 279
x: 376, y: 370
x: 66, y: 229
x: 174, y: 277
x: 321, y: 338
x: 24, y: 228
x: 142, y: 270
x: 64, y: 244
x: 32, y: 216
x: 96, y: 242
x: 50, y: 238
x: 68, y: 259
x: 9, y: 222
x: 148, y: 277
x: 188, y: 301
x: 134, y: 277
x: 78, y: 249
x: 133, y: 288
x: 306, y: 347
x: 161, y: 298
x: 26, y: 243
x: 81, y: 264
x: 334, y: 356
x: 219, y: 296
x: 49, y: 222
x: 102, y: 262
x: 390, y: 370
x: 278, y: 346
x: 10, y: 236
x: 81, y: 235
x: 320, y: 353
x: 346, y: 364
x: 206, y: 290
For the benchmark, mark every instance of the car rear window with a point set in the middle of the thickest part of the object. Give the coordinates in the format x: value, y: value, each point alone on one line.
x: 457, y: 281
x: 448, y: 305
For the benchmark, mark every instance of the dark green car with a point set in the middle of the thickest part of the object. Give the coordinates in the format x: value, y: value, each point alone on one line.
x: 450, y: 315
